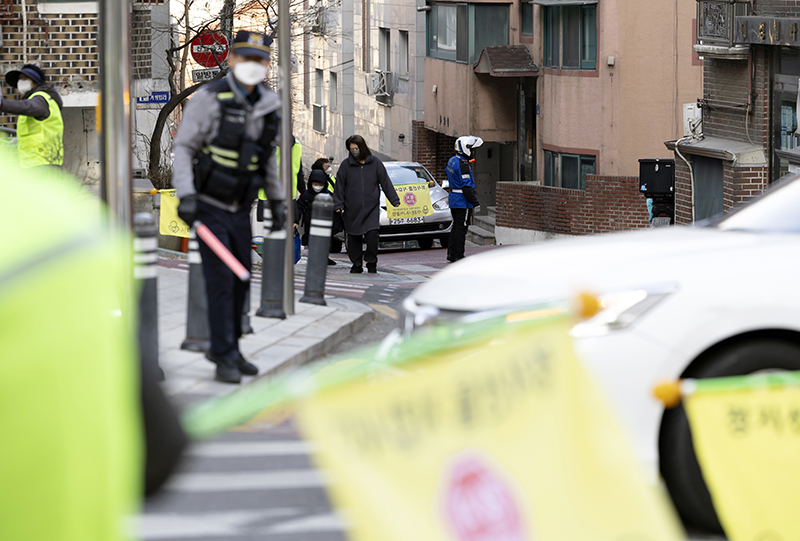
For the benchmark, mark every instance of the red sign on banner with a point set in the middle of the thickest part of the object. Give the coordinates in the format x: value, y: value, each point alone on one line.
x: 209, y: 48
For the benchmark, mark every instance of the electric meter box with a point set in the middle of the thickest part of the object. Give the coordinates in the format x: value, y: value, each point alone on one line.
x: 656, y: 176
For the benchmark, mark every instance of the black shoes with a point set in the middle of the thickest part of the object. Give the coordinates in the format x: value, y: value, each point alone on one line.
x: 247, y: 368
x: 231, y: 371
x: 331, y: 262
x: 372, y: 269
x: 355, y: 269
x: 228, y: 372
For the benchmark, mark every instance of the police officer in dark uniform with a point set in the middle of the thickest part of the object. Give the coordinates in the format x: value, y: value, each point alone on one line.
x: 463, y: 201
x: 224, y: 153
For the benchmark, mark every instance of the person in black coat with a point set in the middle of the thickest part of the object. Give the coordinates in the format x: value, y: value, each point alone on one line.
x: 357, y: 195
x: 318, y: 183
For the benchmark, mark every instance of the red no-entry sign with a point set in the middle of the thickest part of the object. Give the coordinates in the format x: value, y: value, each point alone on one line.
x: 209, y: 48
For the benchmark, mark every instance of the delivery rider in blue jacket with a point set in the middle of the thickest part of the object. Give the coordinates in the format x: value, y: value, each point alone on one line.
x: 463, y: 201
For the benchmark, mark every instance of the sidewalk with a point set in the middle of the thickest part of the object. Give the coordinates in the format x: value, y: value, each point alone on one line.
x: 276, y: 345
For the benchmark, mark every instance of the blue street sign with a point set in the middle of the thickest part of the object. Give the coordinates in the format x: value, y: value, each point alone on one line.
x: 154, y: 97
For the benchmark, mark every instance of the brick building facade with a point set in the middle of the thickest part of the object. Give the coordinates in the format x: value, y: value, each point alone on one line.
x: 748, y: 103
x: 62, y: 40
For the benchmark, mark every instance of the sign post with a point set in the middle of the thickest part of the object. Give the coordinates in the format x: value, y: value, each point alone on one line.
x: 210, y: 49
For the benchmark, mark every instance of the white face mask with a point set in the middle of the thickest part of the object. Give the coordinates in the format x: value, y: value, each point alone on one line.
x: 317, y: 187
x: 24, y: 86
x: 329, y: 170
x: 250, y: 73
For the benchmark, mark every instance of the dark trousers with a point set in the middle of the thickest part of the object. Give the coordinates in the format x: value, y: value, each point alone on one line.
x: 354, y: 250
x: 458, y: 235
x: 224, y: 290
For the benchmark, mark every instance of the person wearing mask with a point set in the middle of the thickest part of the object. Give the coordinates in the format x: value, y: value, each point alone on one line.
x: 463, y: 201
x: 40, y: 127
x: 324, y: 164
x: 357, y: 196
x: 224, y: 153
x: 317, y: 184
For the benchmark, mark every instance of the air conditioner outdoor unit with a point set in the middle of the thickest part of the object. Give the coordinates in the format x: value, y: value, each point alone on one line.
x: 692, y: 119
x: 373, y: 83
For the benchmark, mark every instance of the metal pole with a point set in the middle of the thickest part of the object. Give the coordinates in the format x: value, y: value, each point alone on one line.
x: 116, y: 144
x: 285, y: 60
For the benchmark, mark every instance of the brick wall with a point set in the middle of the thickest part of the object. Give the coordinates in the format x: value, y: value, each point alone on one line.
x: 431, y: 149
x: 607, y: 204
x: 65, y: 46
x: 778, y: 8
x: 738, y: 185
x: 725, y: 85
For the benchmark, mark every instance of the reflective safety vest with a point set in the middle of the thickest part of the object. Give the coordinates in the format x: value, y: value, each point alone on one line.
x: 297, y: 157
x: 226, y: 168
x: 72, y: 452
x: 41, y: 142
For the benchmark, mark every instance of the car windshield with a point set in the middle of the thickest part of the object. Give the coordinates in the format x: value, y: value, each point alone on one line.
x: 775, y: 211
x: 408, y: 174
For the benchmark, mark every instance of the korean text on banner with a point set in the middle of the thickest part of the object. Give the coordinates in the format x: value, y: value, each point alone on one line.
x: 415, y: 202
x: 747, y: 440
x: 519, y: 448
x: 169, y: 223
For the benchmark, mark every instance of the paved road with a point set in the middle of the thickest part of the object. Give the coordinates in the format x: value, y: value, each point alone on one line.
x: 258, y: 481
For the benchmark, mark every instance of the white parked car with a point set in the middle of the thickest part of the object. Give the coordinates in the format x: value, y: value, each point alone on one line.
x: 423, y: 230
x: 712, y: 300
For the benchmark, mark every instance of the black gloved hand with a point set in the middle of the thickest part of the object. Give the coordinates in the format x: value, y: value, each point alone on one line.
x: 187, y: 209
x: 278, y: 209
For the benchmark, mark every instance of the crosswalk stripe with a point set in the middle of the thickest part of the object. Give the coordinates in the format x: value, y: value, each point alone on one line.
x: 328, y: 522
x: 250, y: 448
x: 252, y: 480
x: 198, y: 526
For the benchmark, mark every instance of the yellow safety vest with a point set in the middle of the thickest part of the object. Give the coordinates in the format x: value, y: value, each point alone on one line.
x: 71, y: 457
x: 41, y: 142
x: 297, y: 157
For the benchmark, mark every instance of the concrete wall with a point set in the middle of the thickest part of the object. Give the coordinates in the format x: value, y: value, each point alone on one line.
x: 623, y: 112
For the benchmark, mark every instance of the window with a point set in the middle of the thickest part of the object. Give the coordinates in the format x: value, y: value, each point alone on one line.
x: 490, y: 27
x: 570, y: 37
x: 460, y: 31
x: 319, y: 109
x: 568, y: 170
x: 333, y: 92
x: 402, y: 69
x: 385, y: 50
x: 526, y: 16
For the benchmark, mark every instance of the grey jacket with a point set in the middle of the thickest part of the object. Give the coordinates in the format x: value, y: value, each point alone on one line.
x: 358, y: 192
x: 199, y: 127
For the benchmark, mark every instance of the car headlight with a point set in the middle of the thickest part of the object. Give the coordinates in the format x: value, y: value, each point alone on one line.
x: 442, y: 204
x: 620, y: 310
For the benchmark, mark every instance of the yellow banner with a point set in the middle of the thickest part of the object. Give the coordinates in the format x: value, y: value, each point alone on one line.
x: 505, y: 441
x: 415, y: 202
x: 170, y: 224
x: 747, y: 442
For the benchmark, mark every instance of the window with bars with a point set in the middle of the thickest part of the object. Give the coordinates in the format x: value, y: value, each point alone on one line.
x: 317, y: 106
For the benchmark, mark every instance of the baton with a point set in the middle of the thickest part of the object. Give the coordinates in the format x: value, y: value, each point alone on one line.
x: 223, y: 253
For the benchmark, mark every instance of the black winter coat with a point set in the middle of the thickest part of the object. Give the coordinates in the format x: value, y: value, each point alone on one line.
x: 358, y: 192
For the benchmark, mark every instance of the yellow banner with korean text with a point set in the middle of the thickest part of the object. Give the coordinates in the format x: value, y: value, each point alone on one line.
x: 746, y: 434
x: 507, y: 439
x: 415, y: 202
x: 169, y: 223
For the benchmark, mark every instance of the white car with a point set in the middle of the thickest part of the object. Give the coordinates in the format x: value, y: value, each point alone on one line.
x: 713, y: 300
x: 423, y: 230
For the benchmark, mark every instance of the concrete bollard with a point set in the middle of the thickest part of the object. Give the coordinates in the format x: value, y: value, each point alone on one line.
x: 272, y: 253
x: 246, y: 327
x: 145, y: 261
x: 319, y: 245
x: 198, y: 335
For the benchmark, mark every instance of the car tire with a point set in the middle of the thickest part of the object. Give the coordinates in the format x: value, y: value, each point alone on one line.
x: 425, y: 244
x: 444, y: 240
x: 677, y: 460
